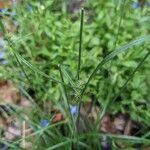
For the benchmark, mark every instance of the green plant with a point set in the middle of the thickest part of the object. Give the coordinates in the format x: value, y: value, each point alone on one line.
x: 44, y: 40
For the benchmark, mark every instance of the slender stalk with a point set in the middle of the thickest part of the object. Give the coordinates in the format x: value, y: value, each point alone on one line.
x: 80, y: 43
x: 78, y: 71
x: 79, y: 60
x: 23, y: 134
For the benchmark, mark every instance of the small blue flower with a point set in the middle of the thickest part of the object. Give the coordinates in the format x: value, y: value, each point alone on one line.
x: 44, y: 122
x: 73, y: 109
x: 135, y: 5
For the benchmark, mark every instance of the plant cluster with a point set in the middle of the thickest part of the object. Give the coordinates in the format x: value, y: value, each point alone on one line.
x: 106, y: 62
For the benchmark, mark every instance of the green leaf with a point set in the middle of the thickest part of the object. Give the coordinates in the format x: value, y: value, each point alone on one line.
x: 114, y: 53
x: 2, y: 26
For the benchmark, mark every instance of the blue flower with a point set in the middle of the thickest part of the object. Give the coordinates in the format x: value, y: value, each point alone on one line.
x: 44, y: 122
x: 73, y: 109
x: 135, y: 5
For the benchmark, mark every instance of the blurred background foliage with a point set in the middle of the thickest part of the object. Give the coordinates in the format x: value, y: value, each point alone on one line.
x: 48, y: 35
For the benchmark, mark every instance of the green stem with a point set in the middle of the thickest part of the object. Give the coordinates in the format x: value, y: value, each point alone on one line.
x: 80, y: 43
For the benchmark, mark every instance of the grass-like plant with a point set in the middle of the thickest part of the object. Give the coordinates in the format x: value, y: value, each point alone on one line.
x: 67, y: 133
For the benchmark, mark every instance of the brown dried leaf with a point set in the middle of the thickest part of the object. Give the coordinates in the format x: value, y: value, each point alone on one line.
x: 4, y: 3
x: 86, y: 108
x: 107, y: 125
x: 122, y: 144
x: 25, y: 144
x: 75, y: 5
x: 28, y: 131
x: 9, y: 136
x: 14, y: 131
x: 58, y: 116
x: 147, y: 148
x: 2, y: 124
x: 8, y: 93
x: 94, y: 112
x: 127, y: 130
x: 47, y: 107
x: 24, y: 102
x: 119, y: 123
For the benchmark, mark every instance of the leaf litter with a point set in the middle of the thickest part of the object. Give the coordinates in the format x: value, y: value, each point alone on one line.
x: 120, y: 124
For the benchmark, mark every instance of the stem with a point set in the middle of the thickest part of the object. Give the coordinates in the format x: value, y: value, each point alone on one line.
x: 80, y: 44
x: 79, y: 61
x: 78, y: 71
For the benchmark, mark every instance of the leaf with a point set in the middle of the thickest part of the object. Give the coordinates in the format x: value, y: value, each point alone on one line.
x: 113, y: 54
x: 20, y: 58
x: 8, y: 93
x: 2, y: 26
x: 69, y: 78
x: 59, y: 145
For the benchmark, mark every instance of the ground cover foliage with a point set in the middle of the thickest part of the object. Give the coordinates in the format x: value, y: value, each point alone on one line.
x: 43, y: 61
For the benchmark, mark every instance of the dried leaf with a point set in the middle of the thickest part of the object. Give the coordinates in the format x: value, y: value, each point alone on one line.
x: 86, y: 108
x: 47, y: 107
x: 14, y: 131
x: 9, y: 136
x: 2, y: 124
x: 25, y: 144
x: 24, y: 102
x: 127, y: 130
x: 4, y: 3
x: 147, y: 148
x: 94, y: 112
x: 58, y: 116
x: 8, y: 93
x: 107, y: 125
x: 119, y: 123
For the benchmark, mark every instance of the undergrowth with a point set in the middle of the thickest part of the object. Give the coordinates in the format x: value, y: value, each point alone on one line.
x: 57, y: 57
